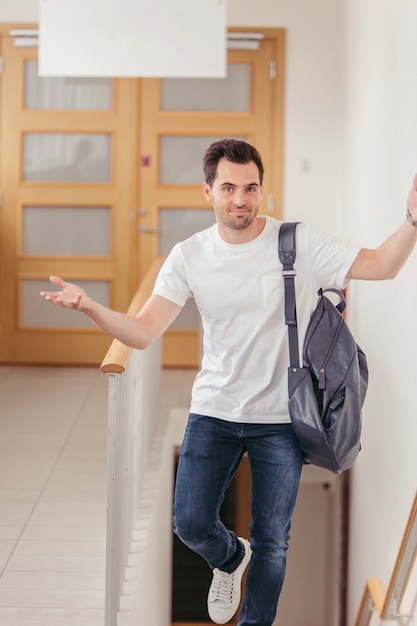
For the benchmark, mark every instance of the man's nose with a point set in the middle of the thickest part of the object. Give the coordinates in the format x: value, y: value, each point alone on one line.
x: 239, y: 198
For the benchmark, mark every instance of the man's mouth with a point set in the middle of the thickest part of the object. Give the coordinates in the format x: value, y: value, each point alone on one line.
x: 239, y: 211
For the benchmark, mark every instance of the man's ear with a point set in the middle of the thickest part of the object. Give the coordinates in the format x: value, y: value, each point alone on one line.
x: 207, y: 192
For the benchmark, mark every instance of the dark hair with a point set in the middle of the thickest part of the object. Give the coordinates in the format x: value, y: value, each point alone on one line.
x: 233, y: 150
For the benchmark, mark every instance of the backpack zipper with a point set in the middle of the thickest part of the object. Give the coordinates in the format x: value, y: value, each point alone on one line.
x: 322, y: 371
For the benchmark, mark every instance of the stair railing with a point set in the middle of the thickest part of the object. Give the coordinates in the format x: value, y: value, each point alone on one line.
x: 133, y: 416
x: 387, y: 602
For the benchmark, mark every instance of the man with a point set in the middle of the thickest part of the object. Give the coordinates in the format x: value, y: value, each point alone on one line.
x: 240, y: 400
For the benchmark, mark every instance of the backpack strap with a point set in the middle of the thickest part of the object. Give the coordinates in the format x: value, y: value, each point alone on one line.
x: 287, y: 253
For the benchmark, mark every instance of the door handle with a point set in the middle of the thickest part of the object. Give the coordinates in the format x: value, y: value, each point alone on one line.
x: 148, y: 229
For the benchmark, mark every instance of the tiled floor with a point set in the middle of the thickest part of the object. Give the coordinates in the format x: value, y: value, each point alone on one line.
x: 53, y: 492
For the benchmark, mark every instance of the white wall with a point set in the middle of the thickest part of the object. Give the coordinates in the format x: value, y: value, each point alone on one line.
x: 382, y: 158
x: 351, y: 103
x: 314, y: 106
x: 19, y: 11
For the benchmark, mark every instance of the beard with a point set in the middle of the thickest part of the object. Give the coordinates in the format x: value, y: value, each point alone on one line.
x: 237, y: 222
x: 241, y: 222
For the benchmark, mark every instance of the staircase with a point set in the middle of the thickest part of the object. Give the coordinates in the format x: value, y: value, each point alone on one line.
x: 387, y: 603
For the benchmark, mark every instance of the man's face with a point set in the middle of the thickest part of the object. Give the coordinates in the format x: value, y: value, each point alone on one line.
x: 235, y: 195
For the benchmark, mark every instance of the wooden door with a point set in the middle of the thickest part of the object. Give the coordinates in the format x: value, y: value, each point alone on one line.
x: 179, y: 119
x: 95, y: 183
x: 67, y: 172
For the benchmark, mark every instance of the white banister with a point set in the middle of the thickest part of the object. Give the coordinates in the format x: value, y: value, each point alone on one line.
x: 133, y: 414
x: 139, y: 482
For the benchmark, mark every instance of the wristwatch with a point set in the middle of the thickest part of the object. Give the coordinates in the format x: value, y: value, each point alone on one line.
x: 410, y: 219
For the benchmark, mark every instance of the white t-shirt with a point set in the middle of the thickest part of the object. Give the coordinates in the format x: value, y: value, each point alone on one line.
x: 239, y: 292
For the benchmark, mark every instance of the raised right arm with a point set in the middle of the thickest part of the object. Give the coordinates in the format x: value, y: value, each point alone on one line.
x: 139, y: 331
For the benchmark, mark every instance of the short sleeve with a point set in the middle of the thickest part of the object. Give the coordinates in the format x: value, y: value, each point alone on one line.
x: 331, y: 258
x: 171, y: 282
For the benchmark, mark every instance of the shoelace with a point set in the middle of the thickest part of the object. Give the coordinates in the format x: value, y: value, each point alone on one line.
x: 222, y: 588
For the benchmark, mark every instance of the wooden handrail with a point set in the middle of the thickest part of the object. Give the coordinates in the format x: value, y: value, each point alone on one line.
x: 118, y: 354
x: 404, y: 563
x: 388, y: 602
x: 373, y: 597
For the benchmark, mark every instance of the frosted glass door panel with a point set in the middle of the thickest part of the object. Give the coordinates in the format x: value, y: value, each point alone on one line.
x: 179, y: 224
x: 76, y: 94
x: 181, y: 159
x: 66, y: 230
x: 37, y: 313
x: 67, y: 157
x: 209, y: 94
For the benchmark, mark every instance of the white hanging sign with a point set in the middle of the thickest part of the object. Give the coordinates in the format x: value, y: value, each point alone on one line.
x: 149, y: 38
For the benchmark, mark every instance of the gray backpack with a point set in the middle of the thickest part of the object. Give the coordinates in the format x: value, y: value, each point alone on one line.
x: 327, y: 391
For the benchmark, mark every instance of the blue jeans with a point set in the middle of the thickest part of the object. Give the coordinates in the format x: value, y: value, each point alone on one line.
x: 210, y: 455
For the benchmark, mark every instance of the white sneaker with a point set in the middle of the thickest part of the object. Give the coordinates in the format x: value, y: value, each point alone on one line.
x: 224, y: 593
